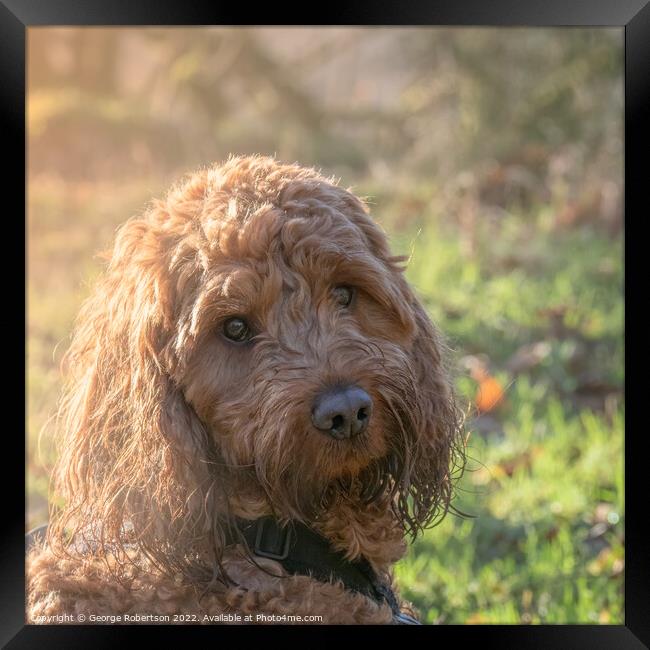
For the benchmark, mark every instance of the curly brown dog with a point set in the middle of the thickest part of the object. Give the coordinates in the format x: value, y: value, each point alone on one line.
x: 256, y: 417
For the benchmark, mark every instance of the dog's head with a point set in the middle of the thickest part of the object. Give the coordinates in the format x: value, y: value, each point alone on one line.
x: 253, y: 347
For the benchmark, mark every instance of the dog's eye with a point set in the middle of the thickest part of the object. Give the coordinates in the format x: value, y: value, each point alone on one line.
x: 237, y: 329
x: 343, y: 295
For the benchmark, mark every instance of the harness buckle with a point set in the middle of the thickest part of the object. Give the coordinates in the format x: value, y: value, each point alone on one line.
x: 277, y: 543
x: 405, y: 619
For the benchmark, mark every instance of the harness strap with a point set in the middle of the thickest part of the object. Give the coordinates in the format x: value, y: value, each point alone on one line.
x: 302, y: 551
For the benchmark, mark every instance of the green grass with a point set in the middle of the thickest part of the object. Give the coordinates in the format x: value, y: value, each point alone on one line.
x: 528, y: 555
x: 545, y: 485
x: 544, y: 478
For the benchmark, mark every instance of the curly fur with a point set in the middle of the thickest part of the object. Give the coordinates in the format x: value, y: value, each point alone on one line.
x: 168, y: 430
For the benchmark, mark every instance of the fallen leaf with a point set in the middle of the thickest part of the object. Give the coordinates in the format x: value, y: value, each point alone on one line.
x: 489, y: 394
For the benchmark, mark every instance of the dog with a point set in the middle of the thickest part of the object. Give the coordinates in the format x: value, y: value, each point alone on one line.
x: 257, y: 414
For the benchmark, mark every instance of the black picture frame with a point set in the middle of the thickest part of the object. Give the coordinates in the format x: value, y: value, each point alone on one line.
x: 631, y: 15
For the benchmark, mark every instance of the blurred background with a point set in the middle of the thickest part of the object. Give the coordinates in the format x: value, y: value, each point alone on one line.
x: 493, y: 157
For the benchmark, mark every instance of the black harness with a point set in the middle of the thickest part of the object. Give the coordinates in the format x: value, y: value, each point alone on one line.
x: 302, y: 551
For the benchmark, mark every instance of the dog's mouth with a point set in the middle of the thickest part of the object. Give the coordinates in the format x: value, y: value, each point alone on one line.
x: 300, y: 476
x: 350, y: 455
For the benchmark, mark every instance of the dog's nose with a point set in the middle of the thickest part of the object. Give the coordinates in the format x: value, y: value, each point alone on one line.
x: 342, y: 412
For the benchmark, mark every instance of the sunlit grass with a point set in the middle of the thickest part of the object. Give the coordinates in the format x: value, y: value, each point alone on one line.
x: 546, y: 488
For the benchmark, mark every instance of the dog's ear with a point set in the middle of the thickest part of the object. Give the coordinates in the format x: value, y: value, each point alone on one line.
x: 134, y: 459
x: 436, y: 447
x: 433, y: 453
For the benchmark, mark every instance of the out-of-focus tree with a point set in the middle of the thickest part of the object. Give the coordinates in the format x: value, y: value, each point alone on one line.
x: 500, y: 115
